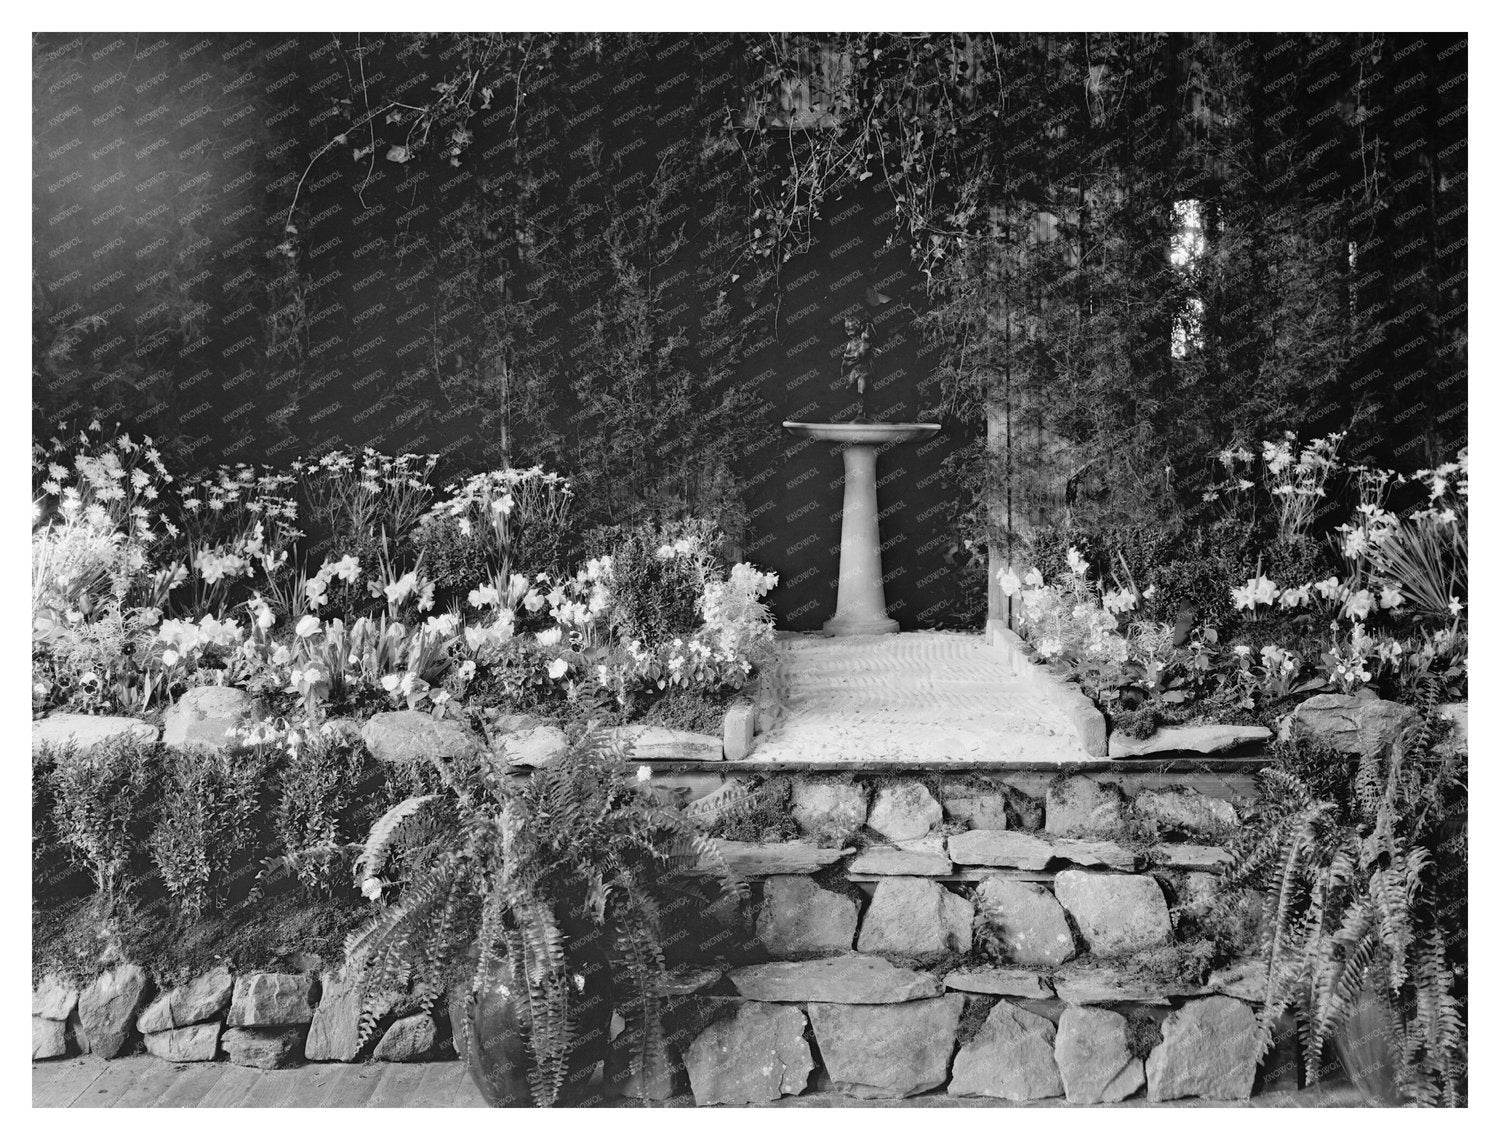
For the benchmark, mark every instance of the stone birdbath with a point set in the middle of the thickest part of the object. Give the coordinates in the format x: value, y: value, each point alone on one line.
x: 861, y: 602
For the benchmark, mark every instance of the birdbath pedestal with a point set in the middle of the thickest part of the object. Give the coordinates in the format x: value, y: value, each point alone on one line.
x: 861, y: 602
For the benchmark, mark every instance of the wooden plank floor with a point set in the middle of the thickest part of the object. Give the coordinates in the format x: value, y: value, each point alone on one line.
x: 145, y: 1082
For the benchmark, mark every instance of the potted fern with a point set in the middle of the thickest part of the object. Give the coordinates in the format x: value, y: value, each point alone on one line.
x: 536, y: 900
x: 1362, y: 915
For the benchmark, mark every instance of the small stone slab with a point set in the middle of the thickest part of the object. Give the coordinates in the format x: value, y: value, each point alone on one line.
x: 272, y: 999
x: 977, y: 804
x: 334, y: 1032
x: 1187, y: 812
x: 1012, y: 1057
x: 1190, y: 856
x: 1096, y: 853
x: 887, y: 1051
x: 1093, y: 1056
x: 203, y: 999
x: 855, y: 979
x: 1000, y: 849
x: 798, y: 918
x: 81, y: 731
x: 905, y: 811
x: 408, y: 737
x: 408, y: 1039
x: 679, y: 981
x: 829, y: 808
x: 49, y: 1038
x: 208, y: 716
x: 1000, y: 981
x: 739, y: 730
x: 264, y: 1048
x: 1244, y: 979
x: 54, y: 999
x: 1029, y: 920
x: 1208, y: 1049
x: 1101, y: 985
x: 1116, y: 914
x: 1082, y: 805
x: 107, y: 1009
x: 779, y: 858
x: 190, y: 1043
x: 897, y: 861
x: 653, y: 742
x: 916, y: 918
x: 757, y: 1055
x: 1201, y: 739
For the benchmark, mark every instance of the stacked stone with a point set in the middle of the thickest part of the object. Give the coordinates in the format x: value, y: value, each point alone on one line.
x: 185, y: 1024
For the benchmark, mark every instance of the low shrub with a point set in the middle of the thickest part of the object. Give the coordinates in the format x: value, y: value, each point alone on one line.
x: 210, y: 820
x: 328, y: 783
x: 102, y: 806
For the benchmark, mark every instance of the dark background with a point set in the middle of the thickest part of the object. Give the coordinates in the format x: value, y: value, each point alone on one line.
x: 164, y: 166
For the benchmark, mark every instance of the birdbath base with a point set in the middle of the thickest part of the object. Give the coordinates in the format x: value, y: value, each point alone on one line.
x: 861, y: 599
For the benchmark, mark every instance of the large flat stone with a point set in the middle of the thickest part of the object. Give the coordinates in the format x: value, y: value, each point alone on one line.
x: 107, y: 1009
x: 208, y: 716
x: 856, y: 979
x: 1000, y: 849
x: 190, y: 1043
x: 1001, y: 981
x: 534, y: 747
x: 1029, y: 920
x: 1186, y: 812
x: 81, y: 731
x: 1010, y: 1057
x: 1116, y: 914
x: 1202, y: 739
x: 830, y: 809
x: 1093, y: 1056
x: 898, y: 861
x: 49, y: 1038
x: 653, y: 742
x: 779, y: 858
x: 1103, y: 985
x: 1082, y: 805
x: 800, y: 919
x: 1355, y: 725
x: 755, y: 1056
x: 916, y: 918
x: 203, y: 999
x: 887, y: 1050
x: 1096, y: 853
x: 264, y: 1048
x: 1208, y: 1050
x: 54, y: 998
x: 408, y: 738
x: 904, y: 810
x: 334, y: 1032
x: 266, y: 999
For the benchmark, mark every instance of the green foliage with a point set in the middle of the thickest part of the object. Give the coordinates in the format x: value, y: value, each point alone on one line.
x: 655, y: 598
x: 210, y: 819
x: 324, y: 802
x: 762, y: 815
x: 1362, y: 902
x: 505, y: 864
x: 102, y: 803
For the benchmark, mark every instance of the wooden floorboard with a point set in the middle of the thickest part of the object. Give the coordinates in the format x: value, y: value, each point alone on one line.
x: 439, y: 1084
x: 57, y: 1084
x: 397, y: 1086
x: 351, y: 1086
x: 192, y: 1086
x: 271, y: 1087
x: 312, y: 1088
x: 232, y: 1088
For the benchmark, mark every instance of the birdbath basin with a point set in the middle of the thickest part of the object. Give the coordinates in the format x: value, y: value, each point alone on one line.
x: 861, y: 600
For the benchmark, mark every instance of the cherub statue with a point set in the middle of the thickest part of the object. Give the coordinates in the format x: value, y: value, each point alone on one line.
x: 855, y: 367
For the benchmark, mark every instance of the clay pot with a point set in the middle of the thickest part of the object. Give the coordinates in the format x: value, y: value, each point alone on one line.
x: 496, y: 1046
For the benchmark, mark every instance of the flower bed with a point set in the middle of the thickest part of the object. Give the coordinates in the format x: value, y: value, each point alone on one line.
x: 1381, y: 614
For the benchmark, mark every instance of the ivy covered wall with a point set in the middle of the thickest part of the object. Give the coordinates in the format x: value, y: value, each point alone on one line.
x: 582, y: 251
